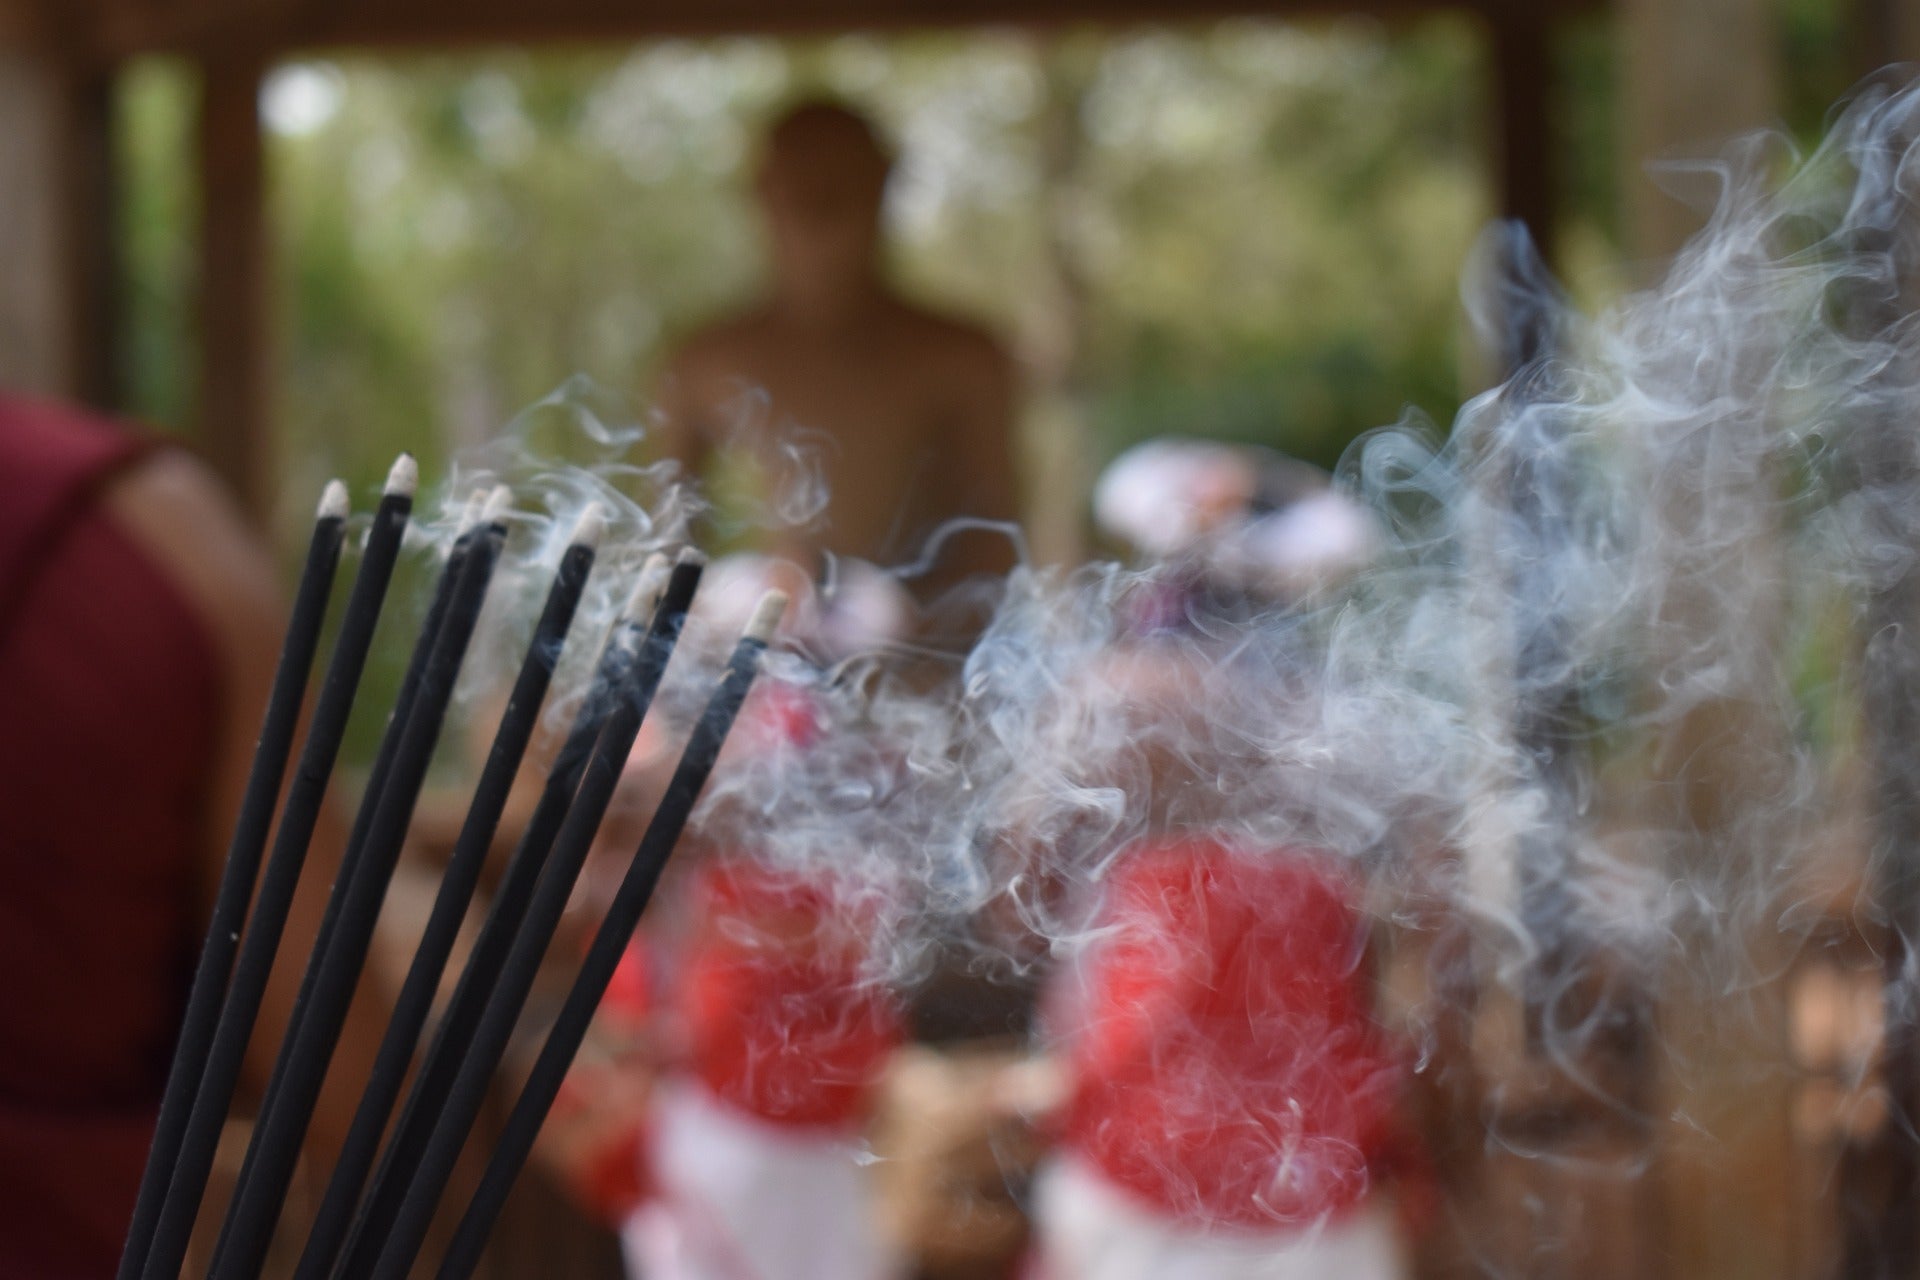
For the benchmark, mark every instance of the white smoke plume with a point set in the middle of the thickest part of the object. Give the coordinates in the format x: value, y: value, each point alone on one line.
x: 1583, y: 718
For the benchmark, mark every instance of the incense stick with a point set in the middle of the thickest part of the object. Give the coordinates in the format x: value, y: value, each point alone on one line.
x: 626, y: 646
x: 244, y: 850
x: 376, y: 786
x: 277, y: 884
x: 414, y: 1004
x: 448, y: 1047
x: 336, y: 964
x: 610, y: 944
x: 467, y: 1094
x: 403, y: 701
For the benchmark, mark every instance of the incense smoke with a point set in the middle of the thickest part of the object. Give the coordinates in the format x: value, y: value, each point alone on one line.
x: 1585, y: 725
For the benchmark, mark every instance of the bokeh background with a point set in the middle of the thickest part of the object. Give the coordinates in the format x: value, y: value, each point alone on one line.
x: 1249, y: 230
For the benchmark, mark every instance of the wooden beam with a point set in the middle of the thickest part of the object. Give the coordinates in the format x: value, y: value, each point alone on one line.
x: 293, y: 26
x: 489, y: 21
x: 235, y: 346
x: 20, y: 24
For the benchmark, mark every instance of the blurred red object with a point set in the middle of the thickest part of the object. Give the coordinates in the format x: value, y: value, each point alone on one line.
x: 1228, y: 1068
x: 599, y: 1123
x: 778, y: 714
x: 630, y: 1000
x: 781, y: 1016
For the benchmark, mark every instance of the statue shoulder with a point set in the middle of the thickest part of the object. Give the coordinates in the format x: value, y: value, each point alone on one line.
x: 969, y: 349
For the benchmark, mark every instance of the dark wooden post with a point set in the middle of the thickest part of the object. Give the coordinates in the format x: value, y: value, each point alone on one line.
x: 93, y: 265
x: 1526, y: 160
x: 57, y: 309
x: 234, y: 311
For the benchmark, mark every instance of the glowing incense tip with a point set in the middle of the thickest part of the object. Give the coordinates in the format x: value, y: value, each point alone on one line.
x: 646, y: 592
x: 691, y: 555
x: 766, y: 616
x: 499, y: 499
x: 590, y: 527
x: 404, y: 478
x: 334, y: 503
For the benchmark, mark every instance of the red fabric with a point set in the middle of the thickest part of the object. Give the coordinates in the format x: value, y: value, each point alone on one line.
x: 780, y: 1019
x: 110, y: 689
x: 1227, y: 1067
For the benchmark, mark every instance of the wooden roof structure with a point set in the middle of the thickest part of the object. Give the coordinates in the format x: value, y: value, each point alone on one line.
x: 122, y: 28
x: 58, y: 330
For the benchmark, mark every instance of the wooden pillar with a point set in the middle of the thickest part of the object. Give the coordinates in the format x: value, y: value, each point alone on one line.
x: 93, y: 265
x: 1884, y: 32
x: 58, y: 308
x: 1058, y: 452
x: 1526, y: 168
x: 1526, y: 158
x: 1695, y: 74
x: 234, y: 307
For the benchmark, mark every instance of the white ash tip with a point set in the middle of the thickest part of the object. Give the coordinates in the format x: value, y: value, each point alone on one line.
x: 766, y: 617
x: 334, y: 503
x: 404, y: 477
x: 646, y: 591
x: 691, y: 555
x: 590, y: 527
x: 499, y: 499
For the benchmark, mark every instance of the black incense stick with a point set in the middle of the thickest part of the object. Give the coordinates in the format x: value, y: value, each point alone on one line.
x: 397, y: 718
x: 508, y: 907
x: 414, y: 1004
x: 610, y: 944
x: 307, y: 1050
x: 468, y: 1092
x: 244, y: 851
x: 201, y: 1135
x: 403, y: 701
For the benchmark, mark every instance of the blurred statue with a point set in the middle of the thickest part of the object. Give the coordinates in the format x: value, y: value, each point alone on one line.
x: 872, y: 432
x: 833, y: 388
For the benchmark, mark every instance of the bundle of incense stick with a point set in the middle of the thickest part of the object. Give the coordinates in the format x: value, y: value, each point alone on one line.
x: 377, y: 1227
